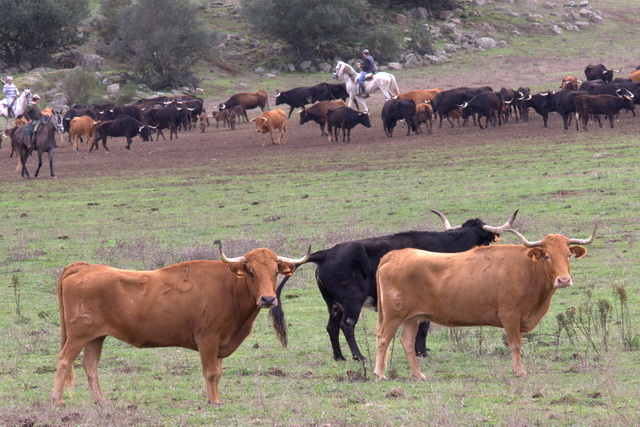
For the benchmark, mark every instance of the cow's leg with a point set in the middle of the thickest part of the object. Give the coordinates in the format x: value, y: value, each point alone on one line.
x: 129, y: 141
x: 385, y: 332
x: 104, y: 144
x: 514, y: 337
x: 421, y: 339
x: 90, y: 360
x: 211, y: 369
x: 333, y: 325
x: 545, y: 117
x: 408, y: 339
x: 610, y: 121
x: 64, y: 370
x: 351, y: 312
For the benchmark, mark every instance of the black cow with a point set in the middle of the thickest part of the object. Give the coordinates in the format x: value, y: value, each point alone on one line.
x: 167, y: 117
x: 521, y: 94
x: 588, y: 84
x: 131, y: 110
x: 122, y: 126
x: 565, y: 105
x: 508, y: 103
x: 608, y: 105
x: 346, y: 274
x: 398, y: 109
x: 543, y: 103
x: 318, y: 113
x: 452, y: 99
x: 485, y: 104
x: 301, y: 96
x: 598, y: 71
x: 345, y: 118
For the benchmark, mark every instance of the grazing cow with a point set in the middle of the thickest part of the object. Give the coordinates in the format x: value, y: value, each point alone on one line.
x: 206, y: 306
x: 608, y: 105
x: 599, y: 71
x: 82, y: 126
x: 346, y: 274
x: 424, y: 114
x: 125, y: 126
x: 345, y: 118
x: 318, y: 113
x: 565, y: 105
x: 301, y: 96
x: 506, y: 286
x: 269, y: 121
x: 634, y: 76
x: 485, y: 104
x: 570, y: 83
x: 452, y: 99
x: 249, y: 100
x: 398, y: 109
x: 543, y: 103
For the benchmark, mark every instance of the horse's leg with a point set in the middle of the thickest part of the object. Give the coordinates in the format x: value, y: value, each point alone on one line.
x: 39, y: 163
x: 50, y: 151
x: 23, y: 153
x: 364, y: 105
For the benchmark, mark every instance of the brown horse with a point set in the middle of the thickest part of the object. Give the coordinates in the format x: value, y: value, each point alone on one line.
x: 45, y: 142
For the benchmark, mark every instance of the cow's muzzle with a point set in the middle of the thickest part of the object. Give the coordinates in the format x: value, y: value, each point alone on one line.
x: 563, y: 282
x: 268, y: 302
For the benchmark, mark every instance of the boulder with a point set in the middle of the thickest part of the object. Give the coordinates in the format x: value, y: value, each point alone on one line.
x: 91, y: 62
x: 486, y: 43
x: 395, y: 65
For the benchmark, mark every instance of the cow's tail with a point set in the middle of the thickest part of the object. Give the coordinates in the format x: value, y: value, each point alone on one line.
x: 69, y: 379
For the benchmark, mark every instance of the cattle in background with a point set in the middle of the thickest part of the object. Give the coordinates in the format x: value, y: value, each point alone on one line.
x: 485, y: 104
x: 634, y: 76
x: 123, y: 126
x: 588, y: 84
x: 570, y: 83
x: 419, y: 95
x: 543, y: 103
x: 269, y: 121
x: 165, y: 117
x: 345, y: 118
x: 249, y: 100
x: 205, y: 306
x: 346, y: 274
x: 131, y: 110
x: 301, y: 96
x: 452, y: 99
x: 398, y: 109
x: 318, y: 113
x: 204, y: 121
x: 505, y: 286
x: 599, y: 71
x: 83, y: 126
x: 565, y: 105
x: 608, y: 105
x: 508, y: 98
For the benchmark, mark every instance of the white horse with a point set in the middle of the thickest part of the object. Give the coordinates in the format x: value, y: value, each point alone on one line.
x: 19, y: 105
x: 382, y: 81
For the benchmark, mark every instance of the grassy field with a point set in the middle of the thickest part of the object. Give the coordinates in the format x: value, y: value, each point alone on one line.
x: 584, y: 373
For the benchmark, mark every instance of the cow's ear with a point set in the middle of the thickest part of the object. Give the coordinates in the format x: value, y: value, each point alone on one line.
x: 286, y: 268
x: 578, y: 251
x: 237, y: 268
x: 535, y: 253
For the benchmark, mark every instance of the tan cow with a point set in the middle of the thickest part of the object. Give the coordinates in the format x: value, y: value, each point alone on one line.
x: 419, y: 95
x: 82, y: 127
x: 635, y: 76
x: 268, y: 122
x: 506, y: 286
x: 206, y: 306
x: 424, y: 111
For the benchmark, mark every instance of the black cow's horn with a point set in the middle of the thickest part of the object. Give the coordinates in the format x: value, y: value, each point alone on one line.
x: 223, y: 257
x: 445, y: 221
x: 507, y: 225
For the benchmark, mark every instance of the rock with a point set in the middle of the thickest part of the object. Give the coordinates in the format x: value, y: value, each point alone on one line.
x: 242, y: 86
x: 456, y: 21
x: 113, y: 89
x: 556, y: 30
x: 290, y: 68
x: 325, y: 67
x: 422, y: 12
x: 58, y: 99
x: 582, y: 24
x: 533, y: 17
x: 198, y: 91
x: 584, y: 3
x: 571, y: 4
x: 401, y: 19
x: 305, y: 65
x: 450, y: 48
x: 596, y: 19
x: 449, y: 28
x: 486, y: 43
x: 395, y: 65
x: 411, y: 61
x: 260, y: 70
x: 91, y: 62
x: 585, y: 12
x: 269, y: 76
x: 502, y: 44
x: 445, y: 15
x: 571, y: 27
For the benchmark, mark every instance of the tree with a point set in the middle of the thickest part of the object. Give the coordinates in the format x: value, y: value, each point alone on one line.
x: 161, y: 40
x: 34, y: 29
x: 314, y: 28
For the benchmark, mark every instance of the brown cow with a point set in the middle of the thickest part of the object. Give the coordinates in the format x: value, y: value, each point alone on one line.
x: 82, y: 127
x: 419, y: 95
x: 249, y: 100
x: 635, y: 76
x: 424, y: 111
x: 268, y: 122
x: 506, y: 286
x: 318, y: 113
x: 206, y: 306
x: 570, y: 82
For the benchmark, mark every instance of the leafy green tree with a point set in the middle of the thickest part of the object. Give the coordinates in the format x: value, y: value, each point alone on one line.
x: 313, y: 28
x: 34, y: 29
x: 161, y: 41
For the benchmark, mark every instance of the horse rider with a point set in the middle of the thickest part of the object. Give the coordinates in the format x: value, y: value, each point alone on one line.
x: 11, y: 92
x: 365, y: 67
x: 32, y: 115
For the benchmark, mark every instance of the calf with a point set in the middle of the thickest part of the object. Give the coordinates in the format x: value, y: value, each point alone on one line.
x: 318, y: 113
x: 570, y: 83
x: 601, y: 104
x: 424, y: 114
x: 83, y: 126
x: 397, y: 109
x: 345, y: 118
x: 269, y: 121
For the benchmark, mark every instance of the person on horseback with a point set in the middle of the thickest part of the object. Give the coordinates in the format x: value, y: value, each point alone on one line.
x: 11, y: 92
x: 365, y: 67
x: 32, y: 114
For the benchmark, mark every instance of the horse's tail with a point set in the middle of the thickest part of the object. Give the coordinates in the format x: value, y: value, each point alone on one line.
x: 394, y: 86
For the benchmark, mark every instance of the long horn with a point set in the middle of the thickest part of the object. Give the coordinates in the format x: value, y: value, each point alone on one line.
x: 296, y: 261
x: 507, y: 225
x: 445, y: 221
x: 223, y: 257
x: 523, y: 240
x: 586, y: 241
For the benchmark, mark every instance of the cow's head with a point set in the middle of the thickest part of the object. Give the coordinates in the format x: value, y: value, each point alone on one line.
x: 554, y: 252
x: 486, y: 234
x: 364, y: 119
x: 304, y: 117
x: 261, y: 124
x: 259, y: 269
x: 145, y: 132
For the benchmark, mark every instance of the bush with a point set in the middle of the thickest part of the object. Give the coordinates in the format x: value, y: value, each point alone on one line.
x: 81, y: 87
